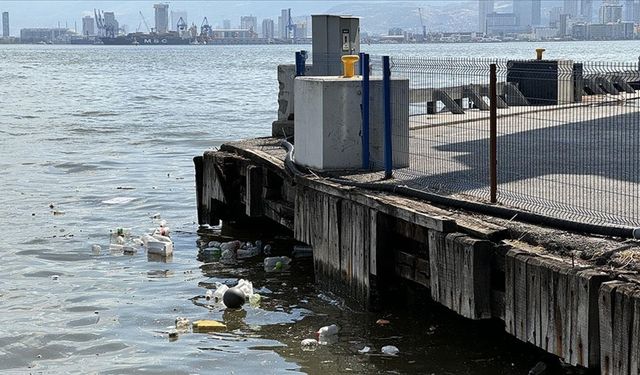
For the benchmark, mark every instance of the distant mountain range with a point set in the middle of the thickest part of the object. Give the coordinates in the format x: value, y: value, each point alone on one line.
x: 377, y: 16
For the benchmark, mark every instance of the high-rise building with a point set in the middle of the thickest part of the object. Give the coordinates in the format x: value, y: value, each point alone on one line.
x: 528, y: 12
x: 610, y: 13
x: 162, y: 18
x: 175, y: 17
x: 586, y: 10
x: 563, y: 26
x: 300, y: 31
x: 268, y: 28
x: 226, y: 24
x: 484, y: 7
x: 554, y: 16
x: 283, y: 24
x: 571, y: 8
x: 111, y: 25
x: 632, y: 10
x: 88, y: 26
x: 249, y: 23
x: 5, y: 24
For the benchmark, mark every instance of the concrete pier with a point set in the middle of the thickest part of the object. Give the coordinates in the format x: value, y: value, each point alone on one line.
x: 478, y: 267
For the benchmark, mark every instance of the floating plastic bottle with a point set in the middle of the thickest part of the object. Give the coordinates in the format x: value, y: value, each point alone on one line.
x: 327, y: 334
x: 273, y: 264
x: 390, y: 350
x: 219, y: 293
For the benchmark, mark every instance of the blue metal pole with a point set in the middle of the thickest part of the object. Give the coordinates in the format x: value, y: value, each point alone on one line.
x: 299, y: 64
x: 364, y: 68
x: 386, y: 88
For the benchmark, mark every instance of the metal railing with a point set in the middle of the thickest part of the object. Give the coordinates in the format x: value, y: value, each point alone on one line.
x: 557, y: 138
x: 552, y: 137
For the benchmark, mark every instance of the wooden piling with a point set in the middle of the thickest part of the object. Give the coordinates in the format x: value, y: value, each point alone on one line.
x: 363, y: 239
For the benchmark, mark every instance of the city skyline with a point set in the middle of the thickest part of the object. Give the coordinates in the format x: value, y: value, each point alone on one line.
x: 377, y: 17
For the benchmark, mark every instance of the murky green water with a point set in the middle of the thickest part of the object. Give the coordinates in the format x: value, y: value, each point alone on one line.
x: 82, y: 125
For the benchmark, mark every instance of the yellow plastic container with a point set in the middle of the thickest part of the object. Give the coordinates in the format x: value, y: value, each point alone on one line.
x: 349, y: 65
x: 208, y: 326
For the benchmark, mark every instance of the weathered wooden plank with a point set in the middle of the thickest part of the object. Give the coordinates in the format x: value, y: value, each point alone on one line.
x: 334, y: 245
x: 253, y: 199
x: 373, y: 242
x: 405, y: 265
x: 547, y: 302
x: 520, y: 287
x: 459, y: 274
x: 346, y: 242
x: 402, y: 208
x: 635, y: 335
x: 437, y: 245
x: 422, y: 272
x: 586, y: 345
x: 534, y: 320
x: 515, y: 292
x: 607, y: 317
x: 623, y: 323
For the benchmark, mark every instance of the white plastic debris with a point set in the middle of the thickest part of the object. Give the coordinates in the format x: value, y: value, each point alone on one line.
x: 231, y: 245
x: 96, y: 249
x: 327, y: 334
x: 217, y: 295
x: 390, y: 350
x: 247, y: 253
x: 309, y: 344
x: 254, y: 300
x: 228, y: 257
x: 246, y: 287
x: 272, y: 264
x: 208, y: 295
x: 159, y: 245
x: 182, y: 324
x: 364, y: 350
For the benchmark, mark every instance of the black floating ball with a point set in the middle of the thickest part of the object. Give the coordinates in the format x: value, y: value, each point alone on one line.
x: 233, y: 298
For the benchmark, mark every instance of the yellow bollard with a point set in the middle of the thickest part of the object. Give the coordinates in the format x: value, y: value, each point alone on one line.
x: 539, y: 52
x: 349, y: 65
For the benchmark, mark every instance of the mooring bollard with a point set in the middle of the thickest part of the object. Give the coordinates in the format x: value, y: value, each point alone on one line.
x: 349, y: 65
x: 386, y: 88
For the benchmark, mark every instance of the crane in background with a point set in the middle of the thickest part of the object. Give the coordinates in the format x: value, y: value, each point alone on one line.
x: 144, y: 20
x: 424, y: 28
x: 205, y: 29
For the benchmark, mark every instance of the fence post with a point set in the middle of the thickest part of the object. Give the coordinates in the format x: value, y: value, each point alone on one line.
x: 386, y: 88
x: 364, y: 69
x: 493, y: 133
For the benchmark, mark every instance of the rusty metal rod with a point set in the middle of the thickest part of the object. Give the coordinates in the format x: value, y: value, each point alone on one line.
x: 493, y: 133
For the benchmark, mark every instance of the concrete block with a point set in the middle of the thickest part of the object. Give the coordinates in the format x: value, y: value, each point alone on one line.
x: 328, y: 122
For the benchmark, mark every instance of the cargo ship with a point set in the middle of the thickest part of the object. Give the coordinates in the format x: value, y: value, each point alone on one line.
x: 143, y: 39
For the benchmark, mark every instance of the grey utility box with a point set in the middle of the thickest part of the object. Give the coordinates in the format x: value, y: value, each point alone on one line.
x: 333, y: 37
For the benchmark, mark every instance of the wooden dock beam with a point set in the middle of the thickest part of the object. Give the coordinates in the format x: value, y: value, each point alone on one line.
x: 363, y: 240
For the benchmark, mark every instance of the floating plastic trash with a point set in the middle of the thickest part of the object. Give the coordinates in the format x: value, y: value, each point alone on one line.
x: 219, y: 293
x: 182, y: 324
x: 208, y: 326
x: 234, y: 298
x: 309, y: 344
x: 364, y: 350
x: 325, y: 333
x: 159, y: 245
x: 273, y: 264
x: 390, y: 350
x: 118, y: 200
